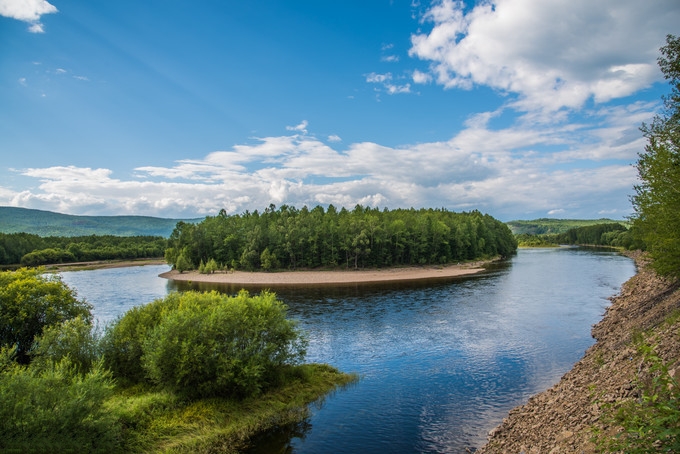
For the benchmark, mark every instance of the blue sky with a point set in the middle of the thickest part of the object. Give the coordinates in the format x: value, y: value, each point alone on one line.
x: 518, y: 108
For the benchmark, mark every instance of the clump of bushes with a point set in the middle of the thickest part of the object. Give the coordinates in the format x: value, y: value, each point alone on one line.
x: 63, y: 387
x: 205, y: 344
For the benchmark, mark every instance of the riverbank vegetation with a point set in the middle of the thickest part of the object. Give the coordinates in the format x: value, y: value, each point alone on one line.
x: 612, y: 234
x: 291, y: 238
x: 32, y: 250
x: 193, y: 372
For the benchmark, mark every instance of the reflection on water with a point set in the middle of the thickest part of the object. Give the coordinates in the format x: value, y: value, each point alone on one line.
x: 442, y: 362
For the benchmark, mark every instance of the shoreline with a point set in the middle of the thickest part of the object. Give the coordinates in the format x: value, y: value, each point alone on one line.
x: 103, y: 264
x: 334, y: 277
x: 567, y: 416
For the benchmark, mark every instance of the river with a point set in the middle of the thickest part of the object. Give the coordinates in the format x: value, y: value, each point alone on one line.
x: 441, y: 363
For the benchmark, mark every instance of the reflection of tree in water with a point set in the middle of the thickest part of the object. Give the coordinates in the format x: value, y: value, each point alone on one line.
x: 278, y: 440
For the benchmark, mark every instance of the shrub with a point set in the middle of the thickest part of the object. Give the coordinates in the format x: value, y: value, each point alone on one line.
x: 121, y: 345
x: 215, y: 345
x: 74, y: 338
x: 53, y: 408
x: 30, y: 300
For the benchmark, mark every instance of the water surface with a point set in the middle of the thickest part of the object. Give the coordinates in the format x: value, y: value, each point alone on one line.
x: 440, y: 363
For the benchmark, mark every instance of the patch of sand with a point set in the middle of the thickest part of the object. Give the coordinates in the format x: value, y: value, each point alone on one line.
x: 323, y: 277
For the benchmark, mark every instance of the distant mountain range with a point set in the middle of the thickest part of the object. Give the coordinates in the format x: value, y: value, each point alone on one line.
x: 48, y: 223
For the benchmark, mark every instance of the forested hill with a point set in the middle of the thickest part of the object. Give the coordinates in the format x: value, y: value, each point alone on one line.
x: 554, y: 226
x: 291, y: 238
x: 48, y: 223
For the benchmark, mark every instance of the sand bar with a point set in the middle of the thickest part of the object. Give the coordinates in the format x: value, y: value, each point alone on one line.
x: 339, y: 277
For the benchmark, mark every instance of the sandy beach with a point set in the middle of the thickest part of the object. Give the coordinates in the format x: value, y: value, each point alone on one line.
x: 340, y: 277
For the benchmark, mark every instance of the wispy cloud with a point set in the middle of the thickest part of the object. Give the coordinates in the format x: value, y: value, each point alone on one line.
x: 27, y: 11
x: 551, y: 56
x: 302, y: 127
x: 386, y: 82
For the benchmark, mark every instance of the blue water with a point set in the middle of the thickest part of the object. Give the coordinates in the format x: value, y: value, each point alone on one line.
x: 441, y: 363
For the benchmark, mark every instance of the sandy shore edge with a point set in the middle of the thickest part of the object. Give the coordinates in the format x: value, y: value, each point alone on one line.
x: 323, y: 277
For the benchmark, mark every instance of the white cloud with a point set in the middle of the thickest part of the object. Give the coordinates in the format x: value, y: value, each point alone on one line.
x: 386, y: 81
x: 28, y: 11
x: 521, y: 170
x: 390, y: 58
x: 378, y: 78
x: 552, y: 55
x: 420, y: 77
x: 302, y: 127
x: 334, y: 138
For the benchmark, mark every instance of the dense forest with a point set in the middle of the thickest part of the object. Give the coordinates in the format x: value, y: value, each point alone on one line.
x: 608, y: 234
x: 33, y: 250
x: 544, y: 226
x: 291, y: 238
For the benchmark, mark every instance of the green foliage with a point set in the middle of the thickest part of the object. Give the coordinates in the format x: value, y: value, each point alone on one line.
x: 73, y: 338
x: 30, y: 301
x: 204, y: 344
x: 54, y: 408
x: 652, y: 423
x: 529, y: 240
x: 66, y: 399
x: 32, y: 250
x: 657, y: 197
x: 122, y: 343
x: 364, y: 237
x: 212, y: 344
x: 608, y: 234
x: 182, y: 263
x: 158, y: 421
x: 612, y: 234
x: 553, y: 226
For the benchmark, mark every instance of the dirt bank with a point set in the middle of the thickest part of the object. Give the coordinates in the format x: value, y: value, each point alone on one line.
x: 561, y: 419
x: 340, y: 277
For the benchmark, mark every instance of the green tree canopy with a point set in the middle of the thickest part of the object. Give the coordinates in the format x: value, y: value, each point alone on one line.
x: 292, y: 238
x: 205, y: 344
x: 30, y: 301
x: 657, y: 197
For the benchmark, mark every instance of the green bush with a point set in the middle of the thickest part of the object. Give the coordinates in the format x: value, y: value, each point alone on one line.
x: 74, y: 338
x: 30, y: 300
x: 121, y: 345
x: 215, y: 345
x: 204, y: 344
x: 54, y: 408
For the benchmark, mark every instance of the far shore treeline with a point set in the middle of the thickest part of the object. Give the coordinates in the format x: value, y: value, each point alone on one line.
x: 291, y: 238
x: 32, y: 250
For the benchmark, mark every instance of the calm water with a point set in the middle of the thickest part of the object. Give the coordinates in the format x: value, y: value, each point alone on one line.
x: 441, y: 363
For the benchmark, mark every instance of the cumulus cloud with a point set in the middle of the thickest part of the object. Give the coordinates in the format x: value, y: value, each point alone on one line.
x: 506, y: 172
x: 28, y: 11
x: 551, y: 55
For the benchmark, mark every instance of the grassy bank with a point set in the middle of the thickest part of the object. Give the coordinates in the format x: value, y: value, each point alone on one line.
x: 158, y: 421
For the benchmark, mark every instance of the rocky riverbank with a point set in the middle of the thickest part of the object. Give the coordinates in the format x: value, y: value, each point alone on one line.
x: 563, y: 418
